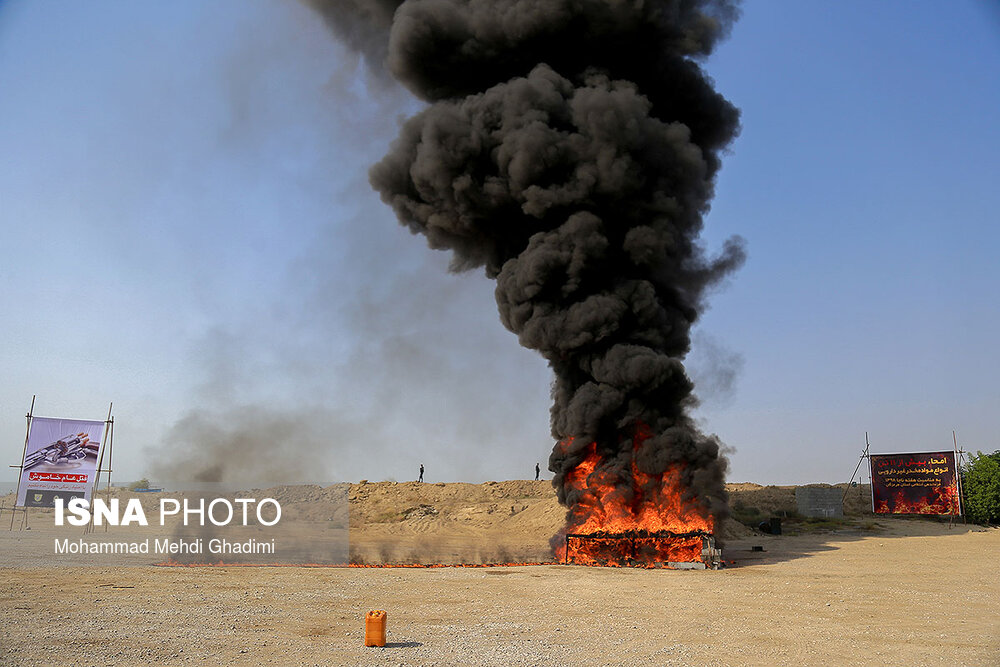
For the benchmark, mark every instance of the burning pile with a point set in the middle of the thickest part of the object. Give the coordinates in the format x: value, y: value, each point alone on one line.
x: 569, y: 148
x: 638, y: 518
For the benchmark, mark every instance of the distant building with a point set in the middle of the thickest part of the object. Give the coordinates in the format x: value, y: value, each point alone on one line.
x: 820, y: 501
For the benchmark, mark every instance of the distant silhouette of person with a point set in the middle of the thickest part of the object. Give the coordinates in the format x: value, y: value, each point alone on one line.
x: 421, y: 473
x: 537, y: 471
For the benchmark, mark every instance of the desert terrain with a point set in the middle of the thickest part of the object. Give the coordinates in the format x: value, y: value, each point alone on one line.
x: 862, y: 590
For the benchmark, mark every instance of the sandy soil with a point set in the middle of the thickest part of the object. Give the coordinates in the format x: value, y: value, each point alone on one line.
x: 872, y: 592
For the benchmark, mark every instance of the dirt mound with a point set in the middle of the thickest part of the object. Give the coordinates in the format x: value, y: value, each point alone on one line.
x: 458, y: 522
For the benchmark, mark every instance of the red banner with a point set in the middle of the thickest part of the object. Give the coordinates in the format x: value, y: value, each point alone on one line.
x: 56, y: 477
x: 921, y: 483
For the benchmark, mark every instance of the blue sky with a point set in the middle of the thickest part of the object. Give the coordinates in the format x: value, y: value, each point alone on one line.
x: 187, y: 230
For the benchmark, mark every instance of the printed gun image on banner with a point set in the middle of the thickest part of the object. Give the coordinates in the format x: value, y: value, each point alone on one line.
x: 67, y: 448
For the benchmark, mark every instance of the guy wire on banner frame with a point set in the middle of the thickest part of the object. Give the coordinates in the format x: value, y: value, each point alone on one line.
x: 864, y: 455
x: 107, y: 436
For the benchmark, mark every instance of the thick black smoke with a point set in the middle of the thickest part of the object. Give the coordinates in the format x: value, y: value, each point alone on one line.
x: 570, y: 148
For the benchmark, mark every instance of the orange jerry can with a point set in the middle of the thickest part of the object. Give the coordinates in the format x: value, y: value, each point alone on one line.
x: 375, y: 628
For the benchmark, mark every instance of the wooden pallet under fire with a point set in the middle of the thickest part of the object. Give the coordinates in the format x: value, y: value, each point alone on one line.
x: 628, y: 549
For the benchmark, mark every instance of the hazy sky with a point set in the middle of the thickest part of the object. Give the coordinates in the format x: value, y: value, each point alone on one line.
x: 186, y: 230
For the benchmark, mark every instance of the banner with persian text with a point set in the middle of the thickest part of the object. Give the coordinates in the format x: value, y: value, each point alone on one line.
x: 60, y: 461
x: 920, y: 483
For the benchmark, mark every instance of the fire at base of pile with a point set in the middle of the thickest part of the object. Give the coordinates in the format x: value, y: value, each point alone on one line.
x: 695, y: 550
x: 622, y: 516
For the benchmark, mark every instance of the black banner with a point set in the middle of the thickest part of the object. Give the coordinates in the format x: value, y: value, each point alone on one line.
x: 920, y: 483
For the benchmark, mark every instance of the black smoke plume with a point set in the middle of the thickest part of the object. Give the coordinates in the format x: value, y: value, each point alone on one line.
x: 570, y: 148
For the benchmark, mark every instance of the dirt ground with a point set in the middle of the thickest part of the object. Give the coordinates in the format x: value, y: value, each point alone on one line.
x: 863, y: 591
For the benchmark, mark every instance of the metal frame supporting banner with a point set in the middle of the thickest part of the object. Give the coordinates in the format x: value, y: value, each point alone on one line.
x: 109, y: 437
x: 959, y: 458
x: 861, y: 460
x: 20, y: 467
x: 61, y: 458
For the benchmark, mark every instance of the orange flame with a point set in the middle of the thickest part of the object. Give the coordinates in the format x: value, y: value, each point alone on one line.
x: 629, y: 519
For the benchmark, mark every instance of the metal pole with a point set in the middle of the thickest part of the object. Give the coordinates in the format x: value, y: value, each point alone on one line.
x: 111, y: 453
x: 105, y: 437
x: 863, y: 455
x: 958, y: 477
x: 871, y: 477
x: 20, y: 466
